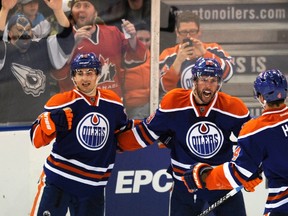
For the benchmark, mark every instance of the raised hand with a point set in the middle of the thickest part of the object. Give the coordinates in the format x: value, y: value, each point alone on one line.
x: 8, y: 4
x: 57, y: 120
x: 54, y: 4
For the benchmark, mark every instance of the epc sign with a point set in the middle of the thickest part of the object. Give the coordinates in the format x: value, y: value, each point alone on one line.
x: 130, y: 181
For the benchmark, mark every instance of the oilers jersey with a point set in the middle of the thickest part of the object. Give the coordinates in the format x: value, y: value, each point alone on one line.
x: 82, y: 159
x: 170, y: 79
x: 201, y: 133
x: 262, y: 143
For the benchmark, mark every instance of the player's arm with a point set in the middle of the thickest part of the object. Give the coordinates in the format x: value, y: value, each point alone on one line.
x: 135, y: 138
x: 45, y: 128
x: 222, y: 177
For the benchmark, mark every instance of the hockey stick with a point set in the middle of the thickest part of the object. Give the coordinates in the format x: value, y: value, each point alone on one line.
x: 220, y: 201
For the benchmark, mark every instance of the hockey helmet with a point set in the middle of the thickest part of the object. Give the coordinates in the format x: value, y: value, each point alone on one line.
x: 271, y: 84
x: 207, y: 67
x: 88, y: 60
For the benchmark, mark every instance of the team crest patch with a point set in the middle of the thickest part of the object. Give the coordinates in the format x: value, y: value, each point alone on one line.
x: 204, y: 139
x: 33, y: 81
x: 186, y: 78
x: 93, y: 131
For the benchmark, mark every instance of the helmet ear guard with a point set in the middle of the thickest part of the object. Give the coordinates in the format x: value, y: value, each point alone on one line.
x: 272, y: 85
x: 207, y: 67
x: 87, y: 60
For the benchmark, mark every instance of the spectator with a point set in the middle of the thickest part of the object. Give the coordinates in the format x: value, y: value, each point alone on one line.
x: 30, y: 8
x: 84, y: 122
x: 111, y: 11
x: 41, y: 27
x: 176, y: 62
x: 202, y: 120
x: 136, y: 11
x: 137, y: 80
x: 25, y: 83
x: 107, y: 42
x: 262, y: 146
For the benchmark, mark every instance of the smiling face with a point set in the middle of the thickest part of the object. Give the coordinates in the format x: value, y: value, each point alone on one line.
x: 85, y: 79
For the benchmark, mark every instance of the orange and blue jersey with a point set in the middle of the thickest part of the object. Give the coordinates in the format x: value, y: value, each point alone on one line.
x: 82, y: 159
x: 201, y: 133
x: 171, y: 79
x: 262, y: 142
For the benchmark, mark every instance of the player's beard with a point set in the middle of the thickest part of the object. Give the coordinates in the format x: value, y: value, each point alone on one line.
x: 204, y: 99
x: 201, y: 96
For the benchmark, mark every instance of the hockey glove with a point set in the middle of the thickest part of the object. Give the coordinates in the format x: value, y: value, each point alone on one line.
x: 56, y: 120
x: 166, y: 141
x: 250, y: 185
x: 195, y: 177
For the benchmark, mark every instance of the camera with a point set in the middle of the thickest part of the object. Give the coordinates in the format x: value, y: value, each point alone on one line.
x: 188, y: 40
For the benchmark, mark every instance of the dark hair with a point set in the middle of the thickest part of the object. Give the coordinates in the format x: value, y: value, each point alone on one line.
x: 93, y: 2
x: 142, y: 26
x: 187, y: 16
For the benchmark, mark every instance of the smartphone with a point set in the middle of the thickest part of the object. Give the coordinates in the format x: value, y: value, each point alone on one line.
x: 188, y: 40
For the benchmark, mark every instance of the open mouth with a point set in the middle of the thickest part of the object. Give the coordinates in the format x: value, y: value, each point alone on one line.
x: 207, y: 93
x: 85, y: 84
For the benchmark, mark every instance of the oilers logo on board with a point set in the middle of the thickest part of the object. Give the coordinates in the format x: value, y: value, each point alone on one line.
x: 186, y: 78
x: 204, y: 139
x: 92, y: 131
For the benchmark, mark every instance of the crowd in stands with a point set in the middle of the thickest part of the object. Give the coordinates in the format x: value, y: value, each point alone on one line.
x: 40, y: 40
x: 117, y: 65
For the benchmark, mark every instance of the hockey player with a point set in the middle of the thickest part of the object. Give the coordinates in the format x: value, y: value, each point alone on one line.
x: 262, y: 143
x: 202, y: 120
x: 176, y: 61
x: 84, y: 122
x: 25, y: 82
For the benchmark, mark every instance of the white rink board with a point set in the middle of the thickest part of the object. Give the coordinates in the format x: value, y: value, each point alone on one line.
x: 21, y: 165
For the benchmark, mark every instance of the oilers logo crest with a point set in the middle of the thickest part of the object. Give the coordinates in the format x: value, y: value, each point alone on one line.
x: 204, y: 139
x: 92, y: 131
x: 186, y: 78
x: 33, y: 81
